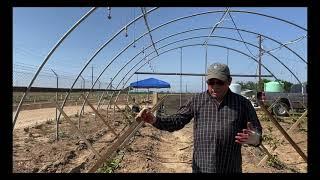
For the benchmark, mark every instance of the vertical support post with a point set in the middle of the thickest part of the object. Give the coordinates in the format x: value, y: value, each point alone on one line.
x: 98, y: 92
x: 84, y: 84
x: 82, y: 109
x: 57, y: 121
x: 227, y: 57
x: 180, y: 74
x: 206, y: 65
x: 202, y: 83
x: 155, y: 101
x: 155, y: 98
x: 110, y: 83
x: 84, y: 87
x: 259, y: 69
x: 92, y: 75
x: 137, y: 81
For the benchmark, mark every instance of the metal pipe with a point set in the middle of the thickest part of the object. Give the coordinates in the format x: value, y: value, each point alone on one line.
x: 57, y: 122
x: 201, y: 74
x: 246, y: 43
x: 250, y: 13
x: 268, y: 37
x: 146, y: 23
x: 148, y: 55
x: 206, y: 65
x: 215, y: 12
x: 169, y: 51
x: 197, y: 15
x: 234, y: 24
x: 83, y: 103
x: 218, y: 46
x: 21, y: 101
x: 216, y: 25
x: 180, y: 74
x: 46, y: 59
x: 95, y: 54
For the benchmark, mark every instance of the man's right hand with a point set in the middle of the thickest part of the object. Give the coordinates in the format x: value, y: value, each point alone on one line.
x: 146, y: 115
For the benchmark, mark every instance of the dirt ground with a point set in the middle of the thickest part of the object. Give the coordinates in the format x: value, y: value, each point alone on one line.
x: 150, y: 150
x: 160, y: 151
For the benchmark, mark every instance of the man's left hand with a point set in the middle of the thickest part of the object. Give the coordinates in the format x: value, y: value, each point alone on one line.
x: 248, y: 136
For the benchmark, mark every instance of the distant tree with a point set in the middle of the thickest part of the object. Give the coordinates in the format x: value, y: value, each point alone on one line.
x: 287, y: 85
x: 242, y: 84
x: 248, y: 85
x: 253, y: 85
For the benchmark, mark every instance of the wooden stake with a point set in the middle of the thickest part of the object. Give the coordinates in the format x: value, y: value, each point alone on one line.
x: 275, y: 122
x: 122, y: 140
x: 263, y: 160
x: 99, y: 115
x: 74, y: 127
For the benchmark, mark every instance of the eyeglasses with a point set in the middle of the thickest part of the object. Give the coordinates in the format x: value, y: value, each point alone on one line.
x: 217, y: 82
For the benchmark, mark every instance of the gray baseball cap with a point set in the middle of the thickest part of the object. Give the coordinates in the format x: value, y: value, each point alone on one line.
x: 218, y: 71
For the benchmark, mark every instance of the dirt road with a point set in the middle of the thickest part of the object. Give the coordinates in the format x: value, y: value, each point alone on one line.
x: 28, y: 118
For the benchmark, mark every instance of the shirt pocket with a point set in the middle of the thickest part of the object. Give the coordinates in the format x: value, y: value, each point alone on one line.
x: 234, y: 119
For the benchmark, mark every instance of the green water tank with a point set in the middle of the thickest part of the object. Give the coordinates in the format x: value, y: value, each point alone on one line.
x: 274, y: 86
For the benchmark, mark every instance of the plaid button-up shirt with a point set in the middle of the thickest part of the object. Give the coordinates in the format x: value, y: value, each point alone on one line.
x: 215, y: 128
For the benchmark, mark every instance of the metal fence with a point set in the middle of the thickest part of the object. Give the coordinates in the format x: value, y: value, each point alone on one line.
x: 22, y: 78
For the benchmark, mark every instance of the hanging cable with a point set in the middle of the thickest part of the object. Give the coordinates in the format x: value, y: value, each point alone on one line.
x: 144, y: 12
x: 290, y: 42
x: 240, y: 34
x: 134, y: 28
x: 216, y: 25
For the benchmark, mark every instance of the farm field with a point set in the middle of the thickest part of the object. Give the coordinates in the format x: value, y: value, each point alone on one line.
x: 150, y: 150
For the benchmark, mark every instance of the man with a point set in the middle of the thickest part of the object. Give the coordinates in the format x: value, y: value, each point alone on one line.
x: 223, y: 121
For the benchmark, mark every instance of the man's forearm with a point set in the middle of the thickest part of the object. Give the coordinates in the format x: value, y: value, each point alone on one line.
x: 171, y: 123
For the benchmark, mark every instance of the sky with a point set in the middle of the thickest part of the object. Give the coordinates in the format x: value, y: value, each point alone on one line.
x: 37, y: 30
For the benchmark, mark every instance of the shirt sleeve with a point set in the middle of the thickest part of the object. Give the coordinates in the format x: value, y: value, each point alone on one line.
x: 176, y: 121
x: 251, y: 116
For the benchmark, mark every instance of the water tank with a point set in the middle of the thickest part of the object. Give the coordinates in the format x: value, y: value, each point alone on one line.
x: 236, y: 88
x: 274, y: 86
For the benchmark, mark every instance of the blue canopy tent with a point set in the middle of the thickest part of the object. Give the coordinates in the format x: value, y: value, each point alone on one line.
x: 150, y: 83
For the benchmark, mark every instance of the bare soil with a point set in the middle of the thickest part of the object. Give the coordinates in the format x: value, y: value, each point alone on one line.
x: 160, y: 151
x: 150, y: 150
x: 35, y: 148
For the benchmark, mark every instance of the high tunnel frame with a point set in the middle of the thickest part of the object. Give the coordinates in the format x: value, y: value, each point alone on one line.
x: 155, y: 49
